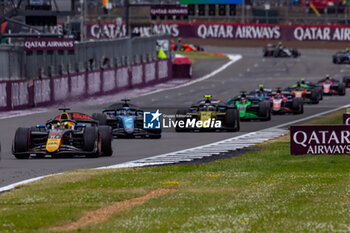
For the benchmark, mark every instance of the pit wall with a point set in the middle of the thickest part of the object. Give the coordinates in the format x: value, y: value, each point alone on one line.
x: 16, y: 95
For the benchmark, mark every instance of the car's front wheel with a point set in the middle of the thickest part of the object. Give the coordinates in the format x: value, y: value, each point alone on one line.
x: 21, y: 143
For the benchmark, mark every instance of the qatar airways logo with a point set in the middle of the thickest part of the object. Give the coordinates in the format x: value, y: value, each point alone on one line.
x: 346, y: 118
x: 325, y: 139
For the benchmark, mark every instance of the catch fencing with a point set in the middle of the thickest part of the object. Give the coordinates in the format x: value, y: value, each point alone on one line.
x: 15, y: 63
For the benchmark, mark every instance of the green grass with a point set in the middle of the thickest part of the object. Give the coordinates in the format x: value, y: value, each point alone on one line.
x: 263, y: 191
x: 196, y: 56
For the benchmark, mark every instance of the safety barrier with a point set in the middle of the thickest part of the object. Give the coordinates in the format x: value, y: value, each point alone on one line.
x: 16, y: 95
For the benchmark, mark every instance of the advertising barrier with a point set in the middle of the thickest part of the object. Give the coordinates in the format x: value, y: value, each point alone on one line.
x: 346, y: 118
x: 79, y: 86
x: 320, y: 139
x: 19, y: 94
x: 229, y: 31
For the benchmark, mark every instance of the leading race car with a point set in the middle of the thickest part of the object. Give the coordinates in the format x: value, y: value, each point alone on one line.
x: 251, y: 107
x: 279, y: 50
x: 310, y: 92
x: 66, y: 135
x: 208, y: 115
x: 342, y: 57
x: 286, y: 102
x: 126, y: 121
x: 332, y: 86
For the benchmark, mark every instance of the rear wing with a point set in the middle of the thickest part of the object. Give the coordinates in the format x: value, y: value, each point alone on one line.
x: 80, y: 118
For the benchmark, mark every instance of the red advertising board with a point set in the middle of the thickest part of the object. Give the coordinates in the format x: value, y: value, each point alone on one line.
x: 230, y: 31
x: 320, y: 139
x: 346, y: 118
x: 33, y: 44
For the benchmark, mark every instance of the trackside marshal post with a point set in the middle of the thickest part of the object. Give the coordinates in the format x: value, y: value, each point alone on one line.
x: 320, y: 139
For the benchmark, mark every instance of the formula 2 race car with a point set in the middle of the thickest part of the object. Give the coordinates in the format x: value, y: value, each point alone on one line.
x: 341, y: 57
x: 331, y: 86
x: 271, y: 50
x: 286, y: 102
x: 310, y: 92
x: 208, y: 115
x: 346, y: 81
x: 252, y: 108
x: 62, y: 136
x: 126, y: 121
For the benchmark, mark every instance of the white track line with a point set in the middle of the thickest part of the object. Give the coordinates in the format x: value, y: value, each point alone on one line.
x: 233, y: 59
x: 230, y: 144
x: 170, y: 85
x: 241, y: 142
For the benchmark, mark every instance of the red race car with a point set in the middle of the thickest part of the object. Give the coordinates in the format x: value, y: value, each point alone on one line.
x: 286, y: 102
x: 332, y: 86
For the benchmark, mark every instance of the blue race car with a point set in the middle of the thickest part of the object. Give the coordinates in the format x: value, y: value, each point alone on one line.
x: 342, y: 57
x: 126, y: 121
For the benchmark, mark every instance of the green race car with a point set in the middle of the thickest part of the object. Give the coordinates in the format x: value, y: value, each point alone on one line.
x: 251, y: 107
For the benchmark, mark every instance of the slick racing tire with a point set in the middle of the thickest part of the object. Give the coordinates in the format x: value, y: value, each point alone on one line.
x: 21, y: 142
x: 341, y: 89
x: 346, y: 80
x: 335, y: 60
x: 231, y: 119
x: 295, y: 53
x: 265, y: 111
x: 101, y: 118
x: 106, y: 140
x: 180, y: 112
x: 265, y: 53
x: 298, y: 105
x: 315, y: 97
x: 90, y: 139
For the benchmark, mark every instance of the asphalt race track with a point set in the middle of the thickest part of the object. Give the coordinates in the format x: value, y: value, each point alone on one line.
x: 246, y: 74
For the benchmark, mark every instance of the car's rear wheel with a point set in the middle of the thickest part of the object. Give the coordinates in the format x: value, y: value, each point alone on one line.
x: 231, y: 119
x: 91, y: 142
x: 106, y: 140
x: 178, y: 117
x: 264, y: 111
x: 298, y: 105
x: 341, y: 89
x: 101, y: 118
x: 315, y: 97
x: 21, y: 143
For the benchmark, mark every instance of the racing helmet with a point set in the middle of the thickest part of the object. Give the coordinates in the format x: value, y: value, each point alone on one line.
x: 58, y: 125
x: 302, y: 80
x: 261, y: 87
x: 347, y: 49
x: 327, y: 76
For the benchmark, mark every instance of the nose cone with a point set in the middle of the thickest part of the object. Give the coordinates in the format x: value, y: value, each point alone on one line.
x: 128, y: 124
x: 52, y: 145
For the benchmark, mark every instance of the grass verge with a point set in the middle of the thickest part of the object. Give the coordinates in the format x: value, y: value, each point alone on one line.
x: 263, y: 191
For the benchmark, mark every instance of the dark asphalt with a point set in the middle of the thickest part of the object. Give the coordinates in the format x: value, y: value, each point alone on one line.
x: 246, y: 74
